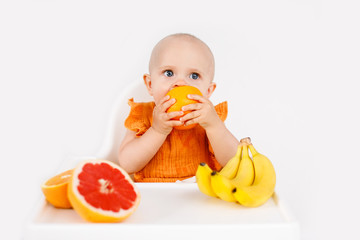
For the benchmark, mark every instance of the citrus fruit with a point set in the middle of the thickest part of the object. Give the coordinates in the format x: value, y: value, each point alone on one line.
x: 101, y: 191
x: 55, y: 189
x: 180, y: 94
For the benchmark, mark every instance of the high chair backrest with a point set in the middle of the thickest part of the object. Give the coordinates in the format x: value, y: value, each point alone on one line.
x: 116, y: 129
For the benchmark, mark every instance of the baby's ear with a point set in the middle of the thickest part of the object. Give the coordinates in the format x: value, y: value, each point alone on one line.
x: 147, y: 81
x: 211, y: 89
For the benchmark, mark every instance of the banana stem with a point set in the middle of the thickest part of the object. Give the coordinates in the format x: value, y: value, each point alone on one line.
x: 246, y: 141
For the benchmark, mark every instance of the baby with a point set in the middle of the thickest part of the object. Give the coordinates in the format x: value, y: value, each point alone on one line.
x: 152, y: 149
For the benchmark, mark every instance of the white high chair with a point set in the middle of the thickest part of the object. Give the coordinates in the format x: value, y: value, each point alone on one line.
x: 116, y: 129
x: 273, y: 221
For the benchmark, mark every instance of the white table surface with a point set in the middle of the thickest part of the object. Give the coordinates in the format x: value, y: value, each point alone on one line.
x: 170, y: 211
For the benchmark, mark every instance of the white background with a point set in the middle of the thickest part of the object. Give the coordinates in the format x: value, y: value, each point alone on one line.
x: 296, y: 65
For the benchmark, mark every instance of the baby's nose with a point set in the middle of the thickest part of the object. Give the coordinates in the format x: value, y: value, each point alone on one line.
x: 180, y: 82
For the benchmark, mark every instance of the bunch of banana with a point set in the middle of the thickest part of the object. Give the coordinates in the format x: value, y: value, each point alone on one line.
x: 250, y: 182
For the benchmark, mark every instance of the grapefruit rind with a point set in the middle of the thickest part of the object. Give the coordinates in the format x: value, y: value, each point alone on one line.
x: 93, y: 214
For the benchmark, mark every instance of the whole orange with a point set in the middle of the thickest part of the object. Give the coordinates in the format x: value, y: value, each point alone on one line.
x: 180, y: 94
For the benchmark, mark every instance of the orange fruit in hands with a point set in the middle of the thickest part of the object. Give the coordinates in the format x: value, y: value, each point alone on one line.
x: 55, y: 189
x: 180, y: 94
x: 101, y: 191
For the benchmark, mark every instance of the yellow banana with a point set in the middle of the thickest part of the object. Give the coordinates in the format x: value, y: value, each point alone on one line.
x: 203, y: 179
x: 245, y: 174
x: 264, y: 182
x: 231, y: 167
x: 222, y: 187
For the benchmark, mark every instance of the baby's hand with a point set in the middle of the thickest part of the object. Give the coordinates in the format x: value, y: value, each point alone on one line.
x: 202, y: 113
x: 162, y: 121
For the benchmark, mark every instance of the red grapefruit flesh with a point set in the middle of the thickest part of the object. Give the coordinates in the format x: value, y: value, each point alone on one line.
x: 101, y: 191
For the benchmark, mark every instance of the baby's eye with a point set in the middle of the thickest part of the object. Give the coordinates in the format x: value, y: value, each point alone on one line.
x: 194, y: 76
x: 168, y: 73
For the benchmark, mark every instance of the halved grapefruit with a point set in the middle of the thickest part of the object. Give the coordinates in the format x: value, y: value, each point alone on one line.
x: 55, y: 189
x: 101, y: 191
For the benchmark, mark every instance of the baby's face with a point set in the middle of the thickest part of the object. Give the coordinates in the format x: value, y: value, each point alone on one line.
x: 177, y: 62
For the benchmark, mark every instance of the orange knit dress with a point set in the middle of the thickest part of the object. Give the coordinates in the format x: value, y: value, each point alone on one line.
x: 182, y: 151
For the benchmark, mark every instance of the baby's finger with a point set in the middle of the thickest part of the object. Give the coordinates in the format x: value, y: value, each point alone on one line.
x: 192, y: 107
x: 192, y: 121
x: 171, y: 115
x: 164, y: 99
x: 199, y: 98
x: 190, y: 115
x: 174, y: 123
x: 167, y: 104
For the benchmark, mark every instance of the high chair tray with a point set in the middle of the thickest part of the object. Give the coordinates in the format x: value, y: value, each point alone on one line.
x: 170, y: 211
